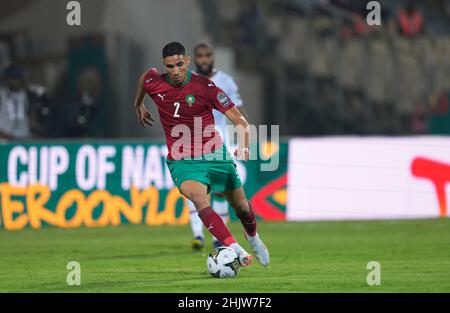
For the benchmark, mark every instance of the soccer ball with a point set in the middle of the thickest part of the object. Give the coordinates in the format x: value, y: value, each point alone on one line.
x: 223, y: 262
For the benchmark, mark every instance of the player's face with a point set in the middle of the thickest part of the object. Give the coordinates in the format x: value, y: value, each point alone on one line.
x: 204, y: 60
x: 177, y: 67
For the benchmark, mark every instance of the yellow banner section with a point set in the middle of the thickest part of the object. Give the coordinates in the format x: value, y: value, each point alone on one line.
x: 141, y: 209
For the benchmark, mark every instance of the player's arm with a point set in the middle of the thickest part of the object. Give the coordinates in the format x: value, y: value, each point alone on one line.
x: 243, y: 111
x: 144, y: 116
x: 224, y: 105
x: 243, y: 130
x: 235, y: 96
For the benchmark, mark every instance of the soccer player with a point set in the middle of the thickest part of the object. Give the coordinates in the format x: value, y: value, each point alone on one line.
x: 204, y: 62
x: 185, y: 102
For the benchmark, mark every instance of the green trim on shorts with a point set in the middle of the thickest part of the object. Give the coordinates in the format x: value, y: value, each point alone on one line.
x: 216, y: 170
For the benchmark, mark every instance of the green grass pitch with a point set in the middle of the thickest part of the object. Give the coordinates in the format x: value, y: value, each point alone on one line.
x: 305, y: 257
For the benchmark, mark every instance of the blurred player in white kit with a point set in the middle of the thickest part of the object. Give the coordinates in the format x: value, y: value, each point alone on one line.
x: 204, y: 61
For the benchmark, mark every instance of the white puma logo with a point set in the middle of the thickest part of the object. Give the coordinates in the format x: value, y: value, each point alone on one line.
x: 210, y: 226
x: 161, y: 96
x: 149, y: 80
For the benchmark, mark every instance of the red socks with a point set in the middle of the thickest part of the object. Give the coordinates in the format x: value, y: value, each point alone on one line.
x: 215, y: 225
x: 248, y: 220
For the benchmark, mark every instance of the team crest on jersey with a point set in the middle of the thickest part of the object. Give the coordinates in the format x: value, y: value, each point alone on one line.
x: 190, y: 99
x: 223, y: 99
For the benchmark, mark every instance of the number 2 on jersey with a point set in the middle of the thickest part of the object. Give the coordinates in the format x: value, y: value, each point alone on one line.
x: 177, y: 107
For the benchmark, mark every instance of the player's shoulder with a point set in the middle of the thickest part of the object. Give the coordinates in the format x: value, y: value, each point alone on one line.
x: 153, y: 81
x: 201, y: 80
x: 152, y: 74
x: 223, y: 79
x: 221, y: 75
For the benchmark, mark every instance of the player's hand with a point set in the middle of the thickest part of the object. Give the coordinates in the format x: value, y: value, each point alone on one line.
x: 144, y: 116
x: 242, y: 154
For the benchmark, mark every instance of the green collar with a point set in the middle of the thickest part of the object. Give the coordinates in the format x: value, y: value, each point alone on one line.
x: 188, y: 77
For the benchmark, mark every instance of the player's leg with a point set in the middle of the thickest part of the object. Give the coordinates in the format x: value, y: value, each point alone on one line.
x: 197, y: 227
x: 220, y: 206
x: 198, y: 193
x: 244, y: 211
x: 181, y: 171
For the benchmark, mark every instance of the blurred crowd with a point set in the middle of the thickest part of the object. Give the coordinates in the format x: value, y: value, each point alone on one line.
x: 324, y: 70
x: 29, y: 110
x: 24, y: 107
x: 335, y: 74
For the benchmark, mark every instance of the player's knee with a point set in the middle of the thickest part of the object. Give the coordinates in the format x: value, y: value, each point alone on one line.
x: 187, y: 192
x: 200, y: 200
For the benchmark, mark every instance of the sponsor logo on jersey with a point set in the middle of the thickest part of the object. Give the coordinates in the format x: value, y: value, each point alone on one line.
x: 190, y: 99
x: 223, y: 99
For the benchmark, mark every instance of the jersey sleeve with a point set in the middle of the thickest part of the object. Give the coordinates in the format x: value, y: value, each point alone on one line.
x: 220, y: 101
x: 234, y: 92
x: 151, y: 74
x: 151, y: 81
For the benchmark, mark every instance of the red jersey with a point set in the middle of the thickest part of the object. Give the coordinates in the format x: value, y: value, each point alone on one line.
x: 186, y: 113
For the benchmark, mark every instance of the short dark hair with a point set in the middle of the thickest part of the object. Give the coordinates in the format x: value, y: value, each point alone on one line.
x: 202, y: 45
x: 173, y: 48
